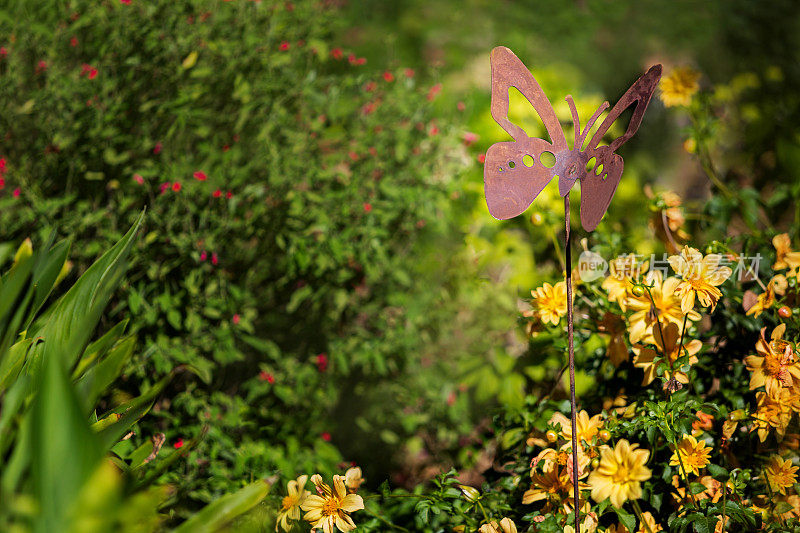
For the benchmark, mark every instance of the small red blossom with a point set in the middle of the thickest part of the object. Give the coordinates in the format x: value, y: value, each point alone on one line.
x: 92, y: 73
x: 157, y: 148
x: 451, y: 398
x: 214, y: 259
x: 481, y: 158
x: 217, y: 193
x: 41, y: 66
x: 16, y: 192
x: 409, y: 72
x: 176, y: 186
x: 203, y: 255
x: 178, y: 443
x: 367, y: 207
x: 2, y: 183
x: 3, y: 168
x: 3, y: 51
x: 370, y: 86
x: 225, y: 148
x: 361, y: 61
x: 352, y: 155
x: 138, y: 179
x: 326, y: 436
x: 73, y: 42
x: 434, y: 91
x: 322, y: 362
x: 369, y: 108
x: 470, y: 138
x: 337, y: 53
x: 284, y: 46
x: 461, y: 106
x: 165, y: 186
x: 229, y: 195
x: 433, y: 130
x: 388, y: 76
x: 200, y: 175
x: 266, y: 376
x: 236, y: 319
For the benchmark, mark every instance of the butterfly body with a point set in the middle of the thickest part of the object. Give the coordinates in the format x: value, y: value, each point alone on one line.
x: 517, y: 171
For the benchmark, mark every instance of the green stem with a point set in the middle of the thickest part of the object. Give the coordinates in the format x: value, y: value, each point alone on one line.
x: 638, y: 511
x: 385, y: 521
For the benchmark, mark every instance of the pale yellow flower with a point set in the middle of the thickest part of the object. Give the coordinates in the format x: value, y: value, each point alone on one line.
x: 290, y: 506
x: 775, y: 411
x: 775, y: 365
x: 784, y: 256
x: 623, y: 272
x: 648, y: 524
x: 620, y: 473
x: 647, y: 358
x: 331, y: 508
x: 679, y: 86
x: 551, y: 479
x: 700, y: 277
x: 550, y: 302
x: 587, y: 427
x: 505, y: 526
x: 693, y: 454
x: 667, y: 307
x: 776, y: 286
x: 353, y: 479
x: 780, y: 473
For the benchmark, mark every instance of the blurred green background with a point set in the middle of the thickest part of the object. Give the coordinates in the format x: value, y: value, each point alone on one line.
x: 317, y: 251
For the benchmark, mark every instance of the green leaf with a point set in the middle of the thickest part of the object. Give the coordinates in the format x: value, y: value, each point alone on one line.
x: 626, y: 519
x: 219, y: 513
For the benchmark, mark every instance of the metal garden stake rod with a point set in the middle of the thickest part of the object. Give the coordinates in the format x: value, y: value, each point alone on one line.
x: 515, y: 172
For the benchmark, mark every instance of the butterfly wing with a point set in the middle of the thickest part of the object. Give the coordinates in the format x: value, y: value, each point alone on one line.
x: 509, y: 182
x: 598, y: 185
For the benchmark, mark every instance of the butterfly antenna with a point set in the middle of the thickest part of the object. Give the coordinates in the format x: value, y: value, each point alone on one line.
x: 576, y: 121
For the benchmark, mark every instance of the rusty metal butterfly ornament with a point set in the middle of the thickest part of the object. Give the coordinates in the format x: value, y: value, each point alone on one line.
x: 515, y: 172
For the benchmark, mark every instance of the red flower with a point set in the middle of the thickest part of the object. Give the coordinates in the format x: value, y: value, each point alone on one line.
x: 433, y: 130
x: 352, y: 59
x: 3, y: 51
x: 179, y: 442
x: 126, y: 2
x: 16, y: 192
x: 214, y: 259
x: 229, y: 195
x: 73, y: 42
x: 370, y: 86
x: 322, y: 362
x: 470, y: 138
x: 217, y: 193
x: 435, y: 90
x: 2, y: 165
x: 326, y: 436
x: 481, y: 158
x: 200, y: 175
x: 388, y: 76
x: 460, y: 106
x: 157, y: 148
x: 361, y: 61
x: 266, y: 376
x: 225, y: 148
x: 352, y: 155
x: 336, y: 53
x: 367, y: 207
x: 138, y: 179
x: 236, y: 319
x: 92, y: 73
x: 203, y: 255
x: 164, y: 187
x: 284, y: 46
x: 451, y: 398
x: 41, y: 66
x: 2, y: 183
x: 176, y: 186
x: 409, y: 72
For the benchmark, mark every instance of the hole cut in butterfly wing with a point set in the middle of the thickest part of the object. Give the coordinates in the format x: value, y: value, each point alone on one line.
x: 514, y: 175
x: 512, y: 180
x: 598, y: 187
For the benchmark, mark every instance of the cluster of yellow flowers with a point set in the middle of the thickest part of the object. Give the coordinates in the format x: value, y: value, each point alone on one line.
x: 329, y: 509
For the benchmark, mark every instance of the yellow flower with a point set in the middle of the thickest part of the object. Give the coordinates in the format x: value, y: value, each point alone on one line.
x: 694, y: 455
x: 667, y: 306
x: 647, y: 357
x: 784, y: 256
x: 775, y: 411
x: 701, y: 276
x: 777, y: 285
x: 551, y: 302
x: 551, y: 478
x: 290, y: 506
x: 505, y: 526
x: 780, y: 473
x: 620, y: 473
x: 353, y: 479
x: 775, y: 365
x: 589, y: 524
x: 587, y: 427
x: 329, y: 509
x: 678, y: 88
x: 622, y: 272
